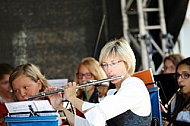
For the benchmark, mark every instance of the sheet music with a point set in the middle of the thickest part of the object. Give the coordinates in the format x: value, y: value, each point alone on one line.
x: 23, y: 106
x: 57, y: 82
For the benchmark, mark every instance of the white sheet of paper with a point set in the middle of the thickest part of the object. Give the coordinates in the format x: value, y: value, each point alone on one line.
x: 23, y: 106
x: 59, y: 83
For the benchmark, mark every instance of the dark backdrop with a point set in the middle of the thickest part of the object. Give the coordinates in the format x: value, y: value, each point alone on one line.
x: 55, y: 35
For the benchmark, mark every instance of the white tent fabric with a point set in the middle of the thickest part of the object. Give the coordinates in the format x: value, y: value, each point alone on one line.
x: 184, y: 36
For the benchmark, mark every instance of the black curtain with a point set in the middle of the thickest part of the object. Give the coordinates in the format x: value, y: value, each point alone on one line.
x: 175, y: 11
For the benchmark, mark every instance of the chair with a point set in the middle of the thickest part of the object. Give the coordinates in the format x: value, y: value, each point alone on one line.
x: 147, y: 77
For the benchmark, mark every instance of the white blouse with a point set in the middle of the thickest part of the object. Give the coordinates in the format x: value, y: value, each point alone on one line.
x: 133, y: 95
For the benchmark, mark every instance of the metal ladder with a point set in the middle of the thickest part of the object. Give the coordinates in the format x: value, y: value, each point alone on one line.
x: 145, y: 41
x: 145, y: 38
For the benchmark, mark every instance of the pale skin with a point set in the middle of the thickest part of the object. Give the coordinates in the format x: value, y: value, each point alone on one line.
x: 184, y: 83
x: 169, y: 67
x: 90, y: 89
x: 116, y: 71
x: 70, y: 93
x: 24, y: 87
x: 56, y: 101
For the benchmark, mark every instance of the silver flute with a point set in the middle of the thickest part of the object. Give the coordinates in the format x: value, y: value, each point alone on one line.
x: 88, y: 83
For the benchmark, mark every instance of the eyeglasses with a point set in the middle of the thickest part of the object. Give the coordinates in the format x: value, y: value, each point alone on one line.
x: 87, y: 75
x: 171, y: 68
x: 183, y: 75
x: 112, y: 64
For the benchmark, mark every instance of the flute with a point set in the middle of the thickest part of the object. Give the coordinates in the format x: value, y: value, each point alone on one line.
x: 88, y: 83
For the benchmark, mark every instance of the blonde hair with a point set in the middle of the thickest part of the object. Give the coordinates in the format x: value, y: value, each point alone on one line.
x: 31, y: 71
x: 119, y: 48
x: 94, y: 68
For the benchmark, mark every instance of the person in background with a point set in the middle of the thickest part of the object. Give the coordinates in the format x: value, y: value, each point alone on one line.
x: 27, y: 80
x: 89, y: 69
x: 128, y: 104
x: 180, y: 105
x: 5, y: 89
x: 170, y: 62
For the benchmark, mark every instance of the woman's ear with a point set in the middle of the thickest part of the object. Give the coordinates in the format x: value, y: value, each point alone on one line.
x: 39, y: 85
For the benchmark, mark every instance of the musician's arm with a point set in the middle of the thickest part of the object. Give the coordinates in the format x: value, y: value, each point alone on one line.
x: 56, y: 102
x: 73, y: 119
x: 70, y: 95
x: 76, y: 102
x: 66, y: 113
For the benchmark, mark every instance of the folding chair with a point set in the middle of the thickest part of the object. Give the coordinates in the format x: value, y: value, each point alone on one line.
x: 147, y: 77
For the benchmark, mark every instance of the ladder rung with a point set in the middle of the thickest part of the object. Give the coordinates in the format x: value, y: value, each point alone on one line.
x: 132, y: 12
x: 150, y: 9
x: 153, y: 27
x: 134, y: 30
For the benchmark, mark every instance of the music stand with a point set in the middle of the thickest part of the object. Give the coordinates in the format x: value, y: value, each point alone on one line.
x: 31, y: 113
x: 32, y: 121
x: 167, y: 86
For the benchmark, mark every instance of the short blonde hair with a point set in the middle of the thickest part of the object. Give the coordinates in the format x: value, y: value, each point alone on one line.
x: 119, y: 48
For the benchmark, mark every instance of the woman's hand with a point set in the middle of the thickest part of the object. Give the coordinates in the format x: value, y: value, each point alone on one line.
x: 55, y: 99
x: 70, y: 95
x: 70, y: 90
